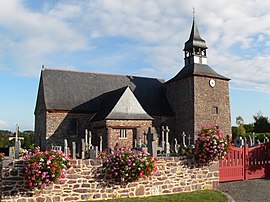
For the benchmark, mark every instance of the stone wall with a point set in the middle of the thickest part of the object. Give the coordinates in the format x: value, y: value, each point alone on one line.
x: 86, y: 181
x: 212, y: 104
x: 135, y: 130
x: 180, y: 95
x: 61, y: 125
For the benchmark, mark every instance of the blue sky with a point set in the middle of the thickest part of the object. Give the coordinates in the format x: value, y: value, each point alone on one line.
x: 135, y: 37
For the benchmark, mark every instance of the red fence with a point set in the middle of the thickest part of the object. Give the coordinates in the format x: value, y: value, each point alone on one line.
x: 246, y: 163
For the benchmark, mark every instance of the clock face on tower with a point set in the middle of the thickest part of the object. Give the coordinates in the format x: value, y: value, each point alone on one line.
x: 212, y: 83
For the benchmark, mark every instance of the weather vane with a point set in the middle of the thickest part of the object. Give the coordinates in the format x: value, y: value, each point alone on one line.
x: 193, y: 12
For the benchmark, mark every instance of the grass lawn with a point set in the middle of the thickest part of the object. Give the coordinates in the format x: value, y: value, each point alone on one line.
x: 196, y: 196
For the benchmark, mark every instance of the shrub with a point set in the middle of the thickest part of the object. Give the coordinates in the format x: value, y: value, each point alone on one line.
x: 211, y: 145
x: 44, y: 168
x: 124, y: 165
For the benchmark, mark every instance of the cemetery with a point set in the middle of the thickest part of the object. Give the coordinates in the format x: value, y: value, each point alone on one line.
x: 87, y: 179
x: 125, y: 136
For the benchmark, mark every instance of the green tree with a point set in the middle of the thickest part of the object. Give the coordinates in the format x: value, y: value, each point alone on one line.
x: 29, y: 138
x: 261, y: 124
x: 249, y: 127
x: 240, y: 130
x: 4, y: 138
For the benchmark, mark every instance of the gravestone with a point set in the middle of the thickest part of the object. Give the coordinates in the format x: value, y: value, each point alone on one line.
x: 162, y: 137
x: 152, y: 141
x: 74, y: 150
x: 184, y: 140
x: 167, y: 151
x: 65, y: 147
x: 100, y: 143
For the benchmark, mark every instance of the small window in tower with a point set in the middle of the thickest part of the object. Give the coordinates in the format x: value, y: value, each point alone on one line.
x: 215, y: 110
x: 123, y: 134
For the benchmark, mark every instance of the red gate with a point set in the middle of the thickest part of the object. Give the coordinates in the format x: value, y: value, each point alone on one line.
x: 245, y: 163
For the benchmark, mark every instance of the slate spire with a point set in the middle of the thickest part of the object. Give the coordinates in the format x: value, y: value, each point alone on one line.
x: 195, y: 47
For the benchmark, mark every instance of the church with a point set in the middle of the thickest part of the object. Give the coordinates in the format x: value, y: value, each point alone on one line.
x: 120, y: 108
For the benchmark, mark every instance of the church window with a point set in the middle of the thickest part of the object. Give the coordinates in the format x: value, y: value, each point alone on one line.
x: 215, y: 110
x: 123, y: 134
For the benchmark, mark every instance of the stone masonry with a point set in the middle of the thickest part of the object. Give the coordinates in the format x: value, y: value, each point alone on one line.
x: 86, y: 181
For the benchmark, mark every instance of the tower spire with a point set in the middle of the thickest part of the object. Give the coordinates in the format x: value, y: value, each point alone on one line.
x: 195, y: 46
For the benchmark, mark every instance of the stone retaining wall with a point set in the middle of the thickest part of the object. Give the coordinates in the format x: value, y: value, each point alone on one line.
x: 86, y: 181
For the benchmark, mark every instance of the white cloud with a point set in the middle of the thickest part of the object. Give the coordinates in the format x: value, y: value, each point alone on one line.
x: 3, y: 124
x: 159, y: 29
x: 28, y: 36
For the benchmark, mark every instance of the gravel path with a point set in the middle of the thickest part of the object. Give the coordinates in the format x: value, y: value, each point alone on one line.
x: 256, y: 190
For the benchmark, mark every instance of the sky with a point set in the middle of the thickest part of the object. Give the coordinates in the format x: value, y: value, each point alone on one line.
x: 135, y: 37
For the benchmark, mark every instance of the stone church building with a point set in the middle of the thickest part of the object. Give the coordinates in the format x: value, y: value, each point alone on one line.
x: 121, y: 108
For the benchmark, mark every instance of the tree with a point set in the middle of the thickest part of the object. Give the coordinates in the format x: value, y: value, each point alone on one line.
x: 261, y: 124
x: 249, y: 127
x: 240, y: 130
x: 239, y: 120
x: 29, y: 138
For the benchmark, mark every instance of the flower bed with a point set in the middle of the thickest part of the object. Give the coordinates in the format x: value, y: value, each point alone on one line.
x: 124, y: 165
x: 44, y: 168
x: 211, y: 145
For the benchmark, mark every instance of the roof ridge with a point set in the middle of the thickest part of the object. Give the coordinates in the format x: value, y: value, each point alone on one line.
x: 99, y: 73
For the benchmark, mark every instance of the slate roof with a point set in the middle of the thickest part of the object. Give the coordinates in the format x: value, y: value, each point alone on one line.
x: 197, y: 70
x: 84, y: 91
x: 121, y: 104
x: 195, y: 39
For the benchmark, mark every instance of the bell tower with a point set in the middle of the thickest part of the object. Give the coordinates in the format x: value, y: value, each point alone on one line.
x: 195, y: 47
x: 198, y: 95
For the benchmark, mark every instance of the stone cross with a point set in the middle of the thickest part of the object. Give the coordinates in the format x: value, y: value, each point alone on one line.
x: 250, y: 141
x: 83, y: 148
x: 151, y: 142
x: 86, y: 140
x: 167, y: 152
x: 74, y: 150
x: 253, y: 138
x: 145, y: 138
x: 175, y: 145
x: 90, y: 140
x: 189, y: 140
x: 140, y: 142
x: 162, y: 137
x: 184, y: 140
x: 65, y: 147
x: 100, y: 142
x: 135, y: 143
x: 265, y: 139
x: 17, y: 142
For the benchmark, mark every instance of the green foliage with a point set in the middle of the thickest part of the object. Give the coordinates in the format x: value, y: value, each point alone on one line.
x: 4, y: 138
x: 29, y: 138
x: 259, y: 136
x: 239, y: 120
x: 249, y: 127
x: 28, y: 141
x: 261, y: 124
x: 185, y: 151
